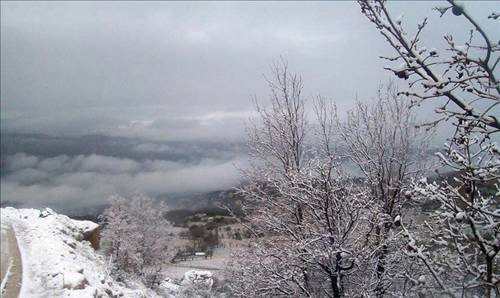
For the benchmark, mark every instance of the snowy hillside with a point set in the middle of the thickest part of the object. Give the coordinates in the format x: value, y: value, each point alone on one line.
x: 57, y: 262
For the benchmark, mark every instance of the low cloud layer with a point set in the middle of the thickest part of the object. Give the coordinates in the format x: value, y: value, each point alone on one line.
x: 88, y: 180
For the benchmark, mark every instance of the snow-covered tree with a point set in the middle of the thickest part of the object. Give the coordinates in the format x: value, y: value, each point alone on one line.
x: 116, y: 230
x: 459, y: 251
x: 277, y: 146
x: 136, y: 236
x: 385, y: 144
x: 278, y: 140
x: 462, y: 74
x: 309, y: 218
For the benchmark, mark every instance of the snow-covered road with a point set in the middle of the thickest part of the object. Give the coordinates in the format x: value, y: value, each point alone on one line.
x: 56, y: 259
x: 10, y: 263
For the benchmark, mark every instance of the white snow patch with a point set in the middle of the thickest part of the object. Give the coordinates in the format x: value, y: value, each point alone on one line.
x: 198, y: 277
x: 85, y: 225
x: 74, y: 281
x: 168, y: 287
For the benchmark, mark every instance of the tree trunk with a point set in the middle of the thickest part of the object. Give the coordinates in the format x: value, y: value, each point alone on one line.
x: 379, y: 289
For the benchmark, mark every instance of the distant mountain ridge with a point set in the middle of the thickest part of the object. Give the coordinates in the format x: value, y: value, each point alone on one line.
x: 121, y: 147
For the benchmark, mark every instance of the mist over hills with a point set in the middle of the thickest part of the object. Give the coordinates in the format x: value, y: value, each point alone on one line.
x: 77, y: 174
x: 189, y: 151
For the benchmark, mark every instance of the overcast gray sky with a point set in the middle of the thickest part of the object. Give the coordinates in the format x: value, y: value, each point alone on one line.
x: 170, y: 71
x: 174, y: 70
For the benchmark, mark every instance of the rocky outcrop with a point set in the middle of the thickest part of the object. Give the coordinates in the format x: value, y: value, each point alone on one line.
x: 89, y: 231
x: 93, y: 236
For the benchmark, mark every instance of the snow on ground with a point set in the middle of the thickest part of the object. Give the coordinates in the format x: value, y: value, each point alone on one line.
x: 215, y: 264
x: 4, y: 247
x: 193, y: 284
x: 6, y: 260
x: 5, y: 265
x: 195, y: 277
x: 10, y: 263
x: 57, y: 262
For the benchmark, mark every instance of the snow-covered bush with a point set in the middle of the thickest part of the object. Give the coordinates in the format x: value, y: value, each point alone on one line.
x: 136, y: 236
